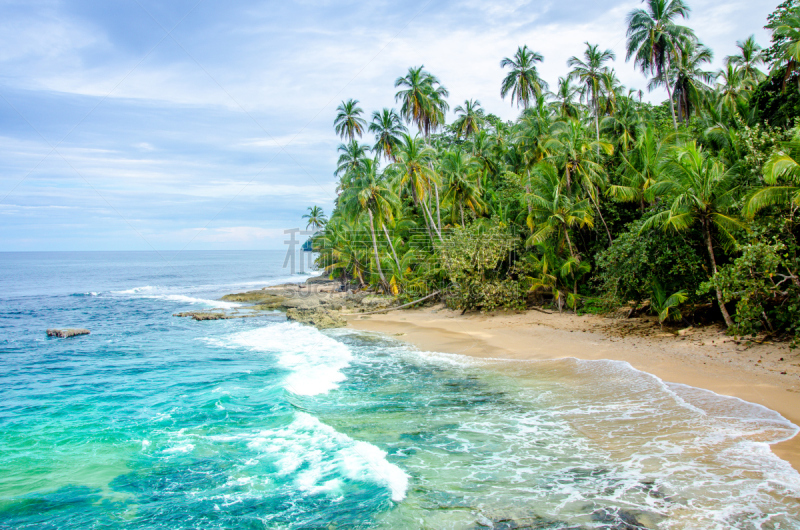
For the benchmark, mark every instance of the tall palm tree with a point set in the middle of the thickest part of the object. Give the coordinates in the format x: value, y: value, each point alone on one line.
x: 733, y: 87
x: 415, y: 173
x: 701, y: 192
x: 349, y: 123
x: 579, y: 158
x: 388, y: 128
x: 690, y: 80
x: 782, y: 179
x: 748, y: 59
x: 653, y: 39
x: 316, y: 217
x: 522, y: 81
x: 423, y: 99
x: 370, y: 194
x: 469, y: 118
x: 459, y: 168
x: 590, y: 71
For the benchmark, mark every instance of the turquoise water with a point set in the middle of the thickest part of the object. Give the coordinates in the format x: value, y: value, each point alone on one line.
x: 154, y: 421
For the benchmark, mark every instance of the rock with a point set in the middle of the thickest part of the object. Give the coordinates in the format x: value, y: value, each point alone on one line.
x: 200, y: 315
x: 318, y: 317
x: 263, y: 299
x: 377, y: 302
x: 305, y: 302
x: 65, y: 333
x: 685, y: 331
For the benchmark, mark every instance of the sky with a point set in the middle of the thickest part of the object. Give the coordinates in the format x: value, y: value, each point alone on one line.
x: 202, y: 124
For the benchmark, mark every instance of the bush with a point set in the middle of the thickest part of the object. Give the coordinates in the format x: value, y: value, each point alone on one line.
x: 635, y: 262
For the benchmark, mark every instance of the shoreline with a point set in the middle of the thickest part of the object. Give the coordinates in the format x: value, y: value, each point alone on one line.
x: 766, y: 374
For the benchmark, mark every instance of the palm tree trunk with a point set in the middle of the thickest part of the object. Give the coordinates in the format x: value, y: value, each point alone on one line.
x: 430, y: 217
x: 597, y: 207
x: 707, y: 235
x: 391, y: 246
x: 375, y: 249
x: 438, y: 213
x: 671, y: 103
x: 569, y: 242
x: 596, y: 118
x: 417, y: 203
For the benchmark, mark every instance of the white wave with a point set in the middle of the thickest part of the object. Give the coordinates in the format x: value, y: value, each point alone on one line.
x: 315, y: 360
x: 182, y: 448
x: 183, y: 299
x: 137, y: 290
x: 318, y: 455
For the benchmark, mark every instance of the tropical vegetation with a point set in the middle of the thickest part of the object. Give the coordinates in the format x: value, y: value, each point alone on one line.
x: 592, y: 199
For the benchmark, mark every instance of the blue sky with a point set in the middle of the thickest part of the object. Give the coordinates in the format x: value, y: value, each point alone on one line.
x: 143, y: 124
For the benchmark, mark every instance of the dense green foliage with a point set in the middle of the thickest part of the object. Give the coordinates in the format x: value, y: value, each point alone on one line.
x: 591, y: 198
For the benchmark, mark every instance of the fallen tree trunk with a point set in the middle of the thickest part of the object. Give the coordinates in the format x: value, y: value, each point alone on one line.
x: 393, y: 308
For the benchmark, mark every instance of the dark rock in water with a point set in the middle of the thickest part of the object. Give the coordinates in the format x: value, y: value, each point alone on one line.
x: 317, y: 317
x: 529, y: 523
x: 200, y: 315
x: 617, y: 519
x: 65, y: 333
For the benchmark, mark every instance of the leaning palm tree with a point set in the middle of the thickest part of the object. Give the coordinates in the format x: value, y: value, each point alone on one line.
x: 423, y: 99
x: 349, y: 123
x: 782, y: 179
x: 590, y: 71
x: 522, y: 81
x: 387, y: 127
x: 748, y: 59
x: 316, y: 217
x: 653, y: 39
x: 701, y: 192
x: 469, y: 118
x: 370, y: 194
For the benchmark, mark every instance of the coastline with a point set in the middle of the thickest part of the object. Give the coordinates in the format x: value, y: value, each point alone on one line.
x: 703, y: 358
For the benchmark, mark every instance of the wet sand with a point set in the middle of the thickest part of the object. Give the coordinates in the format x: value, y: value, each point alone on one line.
x: 704, y: 358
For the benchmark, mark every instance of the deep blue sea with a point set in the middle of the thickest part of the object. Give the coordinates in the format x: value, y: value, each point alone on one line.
x: 154, y: 421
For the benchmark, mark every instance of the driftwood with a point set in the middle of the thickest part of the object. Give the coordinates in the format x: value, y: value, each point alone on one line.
x: 392, y: 308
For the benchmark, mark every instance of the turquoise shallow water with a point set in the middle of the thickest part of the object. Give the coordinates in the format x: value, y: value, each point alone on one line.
x: 154, y: 421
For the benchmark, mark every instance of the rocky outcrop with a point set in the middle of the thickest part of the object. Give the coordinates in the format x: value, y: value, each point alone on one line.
x: 203, y: 315
x: 318, y: 317
x: 265, y: 300
x: 65, y: 333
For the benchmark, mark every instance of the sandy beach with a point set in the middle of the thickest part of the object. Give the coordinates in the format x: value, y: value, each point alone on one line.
x: 767, y: 374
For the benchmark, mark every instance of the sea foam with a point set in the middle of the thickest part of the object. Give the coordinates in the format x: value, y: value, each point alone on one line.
x: 315, y: 361
x: 318, y: 457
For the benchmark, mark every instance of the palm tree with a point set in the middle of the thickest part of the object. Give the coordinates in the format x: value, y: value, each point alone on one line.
x: 748, y: 59
x: 353, y: 155
x: 578, y: 156
x: 522, y: 81
x: 469, y: 118
x: 565, y: 98
x: 690, y: 80
x: 316, y: 217
x: 641, y: 168
x: 701, y: 191
x: 341, y: 253
x: 590, y: 72
x: 423, y: 100
x: 387, y: 127
x: 458, y: 168
x: 787, y: 29
x: 733, y: 88
x: 653, y: 39
x: 553, y: 210
x: 369, y: 193
x: 782, y: 179
x: 349, y: 123
x: 414, y: 161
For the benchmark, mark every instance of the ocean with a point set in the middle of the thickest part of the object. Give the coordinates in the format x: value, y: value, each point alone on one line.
x: 154, y: 421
